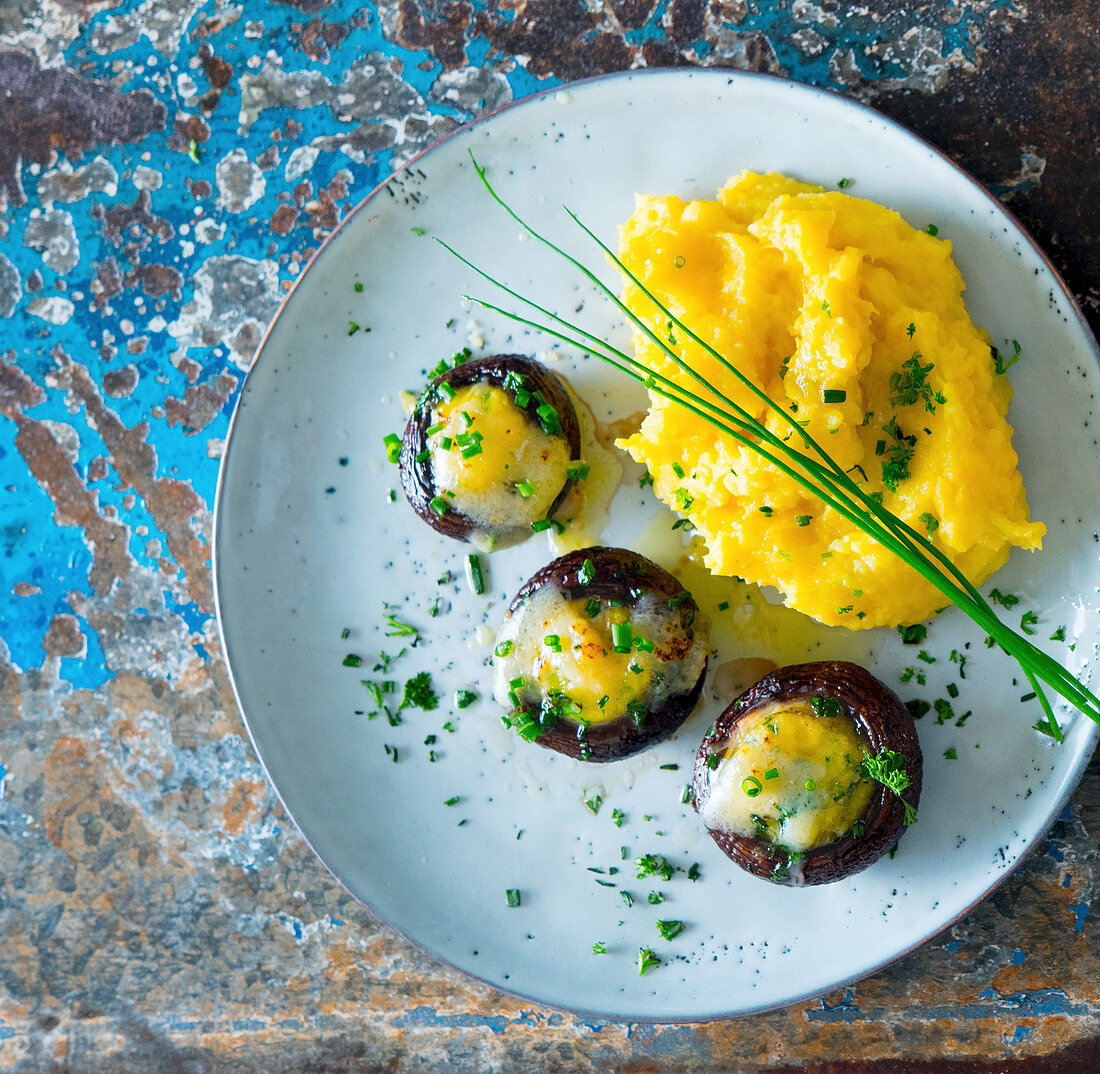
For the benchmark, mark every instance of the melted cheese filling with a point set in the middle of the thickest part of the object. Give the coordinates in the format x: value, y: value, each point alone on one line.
x: 502, y: 469
x: 564, y: 650
x: 789, y: 777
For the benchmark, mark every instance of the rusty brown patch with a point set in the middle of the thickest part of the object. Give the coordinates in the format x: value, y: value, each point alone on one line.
x: 686, y: 20
x: 74, y: 504
x: 308, y: 7
x: 156, y: 280
x: 17, y: 390
x: 219, y: 73
x: 561, y: 38
x: 324, y: 210
x: 201, y: 189
x: 108, y: 282
x: 282, y: 220
x: 63, y: 637
x: 135, y: 220
x: 189, y: 129
x: 119, y: 383
x: 57, y: 109
x: 172, y: 503
x: 246, y: 802
x: 318, y: 36
x: 441, y: 27
x: 201, y: 403
x: 25, y: 589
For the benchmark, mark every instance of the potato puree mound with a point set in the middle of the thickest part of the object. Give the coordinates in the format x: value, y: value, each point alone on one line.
x: 854, y: 320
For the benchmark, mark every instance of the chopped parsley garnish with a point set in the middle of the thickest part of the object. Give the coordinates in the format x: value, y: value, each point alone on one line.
x: 654, y: 865
x: 803, y: 520
x: 646, y: 959
x: 911, y: 385
x: 694, y: 872
x: 888, y: 768
x: 599, y: 948
x: 1005, y: 600
x: 352, y: 660
x: 578, y: 472
x: 670, y: 929
x: 999, y: 363
x: 913, y: 635
x: 951, y: 754
x: 842, y: 183
x: 825, y: 706
x: 420, y: 694
x: 465, y: 698
x: 1027, y: 621
x: 594, y: 803
x: 931, y: 523
x: 617, y: 817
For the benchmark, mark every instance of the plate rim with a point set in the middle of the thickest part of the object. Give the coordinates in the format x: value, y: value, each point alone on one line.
x: 731, y: 75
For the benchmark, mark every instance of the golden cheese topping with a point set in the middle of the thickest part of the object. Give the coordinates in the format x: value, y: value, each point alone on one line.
x: 503, y: 469
x: 592, y: 660
x: 853, y: 321
x: 791, y: 777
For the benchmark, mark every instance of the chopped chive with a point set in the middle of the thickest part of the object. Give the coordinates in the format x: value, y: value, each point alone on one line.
x: 578, y: 473
x: 525, y: 489
x: 504, y: 648
x: 512, y: 897
x: 751, y: 786
x: 810, y: 785
x: 834, y: 395
x: 587, y: 573
x: 393, y: 446
x: 592, y: 607
x: 678, y: 470
x: 553, y: 641
x: 548, y: 419
x: 685, y: 794
x: 621, y: 637
x: 771, y: 773
x: 803, y: 520
x: 438, y: 504
x: 594, y: 803
x: 352, y: 661
x: 423, y: 456
x: 474, y: 573
x: 438, y: 427
x: 452, y: 801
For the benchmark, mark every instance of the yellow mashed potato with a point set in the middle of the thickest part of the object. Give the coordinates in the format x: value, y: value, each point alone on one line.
x: 853, y: 320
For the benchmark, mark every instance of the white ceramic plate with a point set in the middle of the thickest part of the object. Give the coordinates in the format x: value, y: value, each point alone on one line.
x: 308, y: 543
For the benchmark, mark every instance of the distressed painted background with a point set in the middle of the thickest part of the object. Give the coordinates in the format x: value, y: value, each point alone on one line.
x: 167, y: 167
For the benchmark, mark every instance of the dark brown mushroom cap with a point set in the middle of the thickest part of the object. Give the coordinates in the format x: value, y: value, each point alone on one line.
x: 416, y: 473
x: 619, y: 574
x: 881, y: 720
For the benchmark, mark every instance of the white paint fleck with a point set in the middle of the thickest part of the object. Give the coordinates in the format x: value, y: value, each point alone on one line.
x: 300, y: 161
x: 54, y: 310
x: 147, y: 178
x: 53, y: 235
x: 208, y: 231
x: 240, y: 182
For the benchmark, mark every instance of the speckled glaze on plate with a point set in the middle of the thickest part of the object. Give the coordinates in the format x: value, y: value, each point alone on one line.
x: 308, y: 543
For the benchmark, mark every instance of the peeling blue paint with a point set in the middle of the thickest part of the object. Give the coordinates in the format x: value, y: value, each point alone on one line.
x: 1031, y: 1004
x: 1020, y: 1033
x: 953, y: 945
x: 1018, y: 957
x: 1080, y: 912
x: 6, y: 1033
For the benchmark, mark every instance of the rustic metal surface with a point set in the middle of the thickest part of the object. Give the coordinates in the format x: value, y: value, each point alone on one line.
x: 166, y: 169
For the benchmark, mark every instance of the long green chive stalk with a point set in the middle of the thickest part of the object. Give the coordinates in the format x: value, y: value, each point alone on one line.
x: 814, y: 469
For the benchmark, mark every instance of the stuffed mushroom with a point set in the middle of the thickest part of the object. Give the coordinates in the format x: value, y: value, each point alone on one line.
x: 811, y: 775
x: 600, y: 655
x: 489, y: 449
